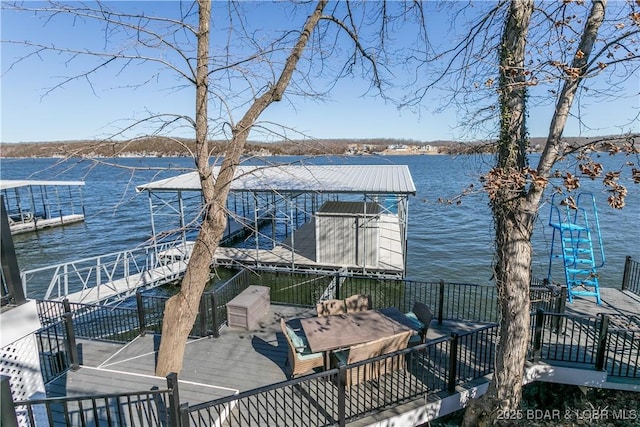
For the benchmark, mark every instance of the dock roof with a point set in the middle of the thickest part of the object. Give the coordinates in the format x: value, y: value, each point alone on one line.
x: 17, y: 183
x: 374, y: 179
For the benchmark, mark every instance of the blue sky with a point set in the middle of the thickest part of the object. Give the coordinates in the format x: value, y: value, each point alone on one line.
x: 80, y: 110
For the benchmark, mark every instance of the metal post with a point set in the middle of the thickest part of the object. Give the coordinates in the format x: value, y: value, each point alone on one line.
x: 141, y: 317
x: 441, y: 302
x: 184, y: 415
x: 174, y: 399
x: 70, y: 342
x: 7, y: 411
x: 338, y: 285
x: 602, y: 341
x: 537, y: 337
x: 182, y: 223
x: 10, y: 269
x: 153, y: 223
x: 214, y: 316
x: 203, y: 316
x: 66, y: 305
x: 625, y: 275
x: 342, y: 394
x: 453, y: 363
x: 561, y: 305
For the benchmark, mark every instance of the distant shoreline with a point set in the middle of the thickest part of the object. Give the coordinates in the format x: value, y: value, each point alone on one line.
x: 167, y: 147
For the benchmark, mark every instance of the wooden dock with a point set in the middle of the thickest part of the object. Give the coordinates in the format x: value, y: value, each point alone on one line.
x: 41, y: 223
x: 614, y: 301
x: 299, y: 251
x: 213, y: 367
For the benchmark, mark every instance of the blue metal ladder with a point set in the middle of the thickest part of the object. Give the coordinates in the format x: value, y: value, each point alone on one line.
x: 573, y: 227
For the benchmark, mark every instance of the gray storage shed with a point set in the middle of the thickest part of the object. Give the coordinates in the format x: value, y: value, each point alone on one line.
x: 348, y: 233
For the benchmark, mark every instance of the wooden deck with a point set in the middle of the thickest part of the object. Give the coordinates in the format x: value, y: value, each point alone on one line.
x: 213, y: 367
x: 242, y: 360
x: 614, y: 301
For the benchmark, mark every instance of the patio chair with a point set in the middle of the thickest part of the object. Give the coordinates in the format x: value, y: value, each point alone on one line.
x: 357, y: 303
x: 359, y: 353
x: 373, y: 370
x: 390, y: 345
x: 421, y: 317
x: 331, y: 307
x: 300, y: 357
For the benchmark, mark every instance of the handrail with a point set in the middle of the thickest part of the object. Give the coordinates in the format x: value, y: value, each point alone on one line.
x: 95, y: 409
x: 631, y: 276
x: 111, y: 274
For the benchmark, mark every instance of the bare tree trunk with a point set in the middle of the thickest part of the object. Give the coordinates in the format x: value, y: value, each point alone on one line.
x: 515, y: 206
x: 182, y: 308
x: 513, y: 225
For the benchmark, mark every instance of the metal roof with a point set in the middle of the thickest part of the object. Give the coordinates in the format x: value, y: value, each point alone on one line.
x: 374, y: 179
x: 16, y: 183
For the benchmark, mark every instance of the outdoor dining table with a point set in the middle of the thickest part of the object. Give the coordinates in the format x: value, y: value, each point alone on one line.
x: 326, y: 333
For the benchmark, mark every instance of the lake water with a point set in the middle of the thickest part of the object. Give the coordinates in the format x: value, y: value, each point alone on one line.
x: 449, y: 242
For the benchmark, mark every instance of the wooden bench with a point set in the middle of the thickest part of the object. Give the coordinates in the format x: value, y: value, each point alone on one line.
x: 246, y: 309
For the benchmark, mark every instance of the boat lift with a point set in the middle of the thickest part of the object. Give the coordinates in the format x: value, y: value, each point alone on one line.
x: 314, y: 218
x: 577, y: 241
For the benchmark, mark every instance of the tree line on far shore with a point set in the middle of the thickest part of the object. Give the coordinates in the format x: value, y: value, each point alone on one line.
x: 181, y: 147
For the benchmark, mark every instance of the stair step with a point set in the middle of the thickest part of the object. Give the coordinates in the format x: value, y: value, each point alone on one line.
x: 583, y: 283
x: 576, y: 240
x: 581, y: 271
x: 571, y: 260
x: 578, y: 250
x: 585, y: 293
x: 567, y: 226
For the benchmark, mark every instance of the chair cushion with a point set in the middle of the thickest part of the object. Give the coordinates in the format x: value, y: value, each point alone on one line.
x: 298, y: 341
x: 414, y: 319
x: 307, y: 356
x: 342, y: 355
x: 415, y: 339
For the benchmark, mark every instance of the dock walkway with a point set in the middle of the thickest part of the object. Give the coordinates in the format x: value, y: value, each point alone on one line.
x: 129, y: 285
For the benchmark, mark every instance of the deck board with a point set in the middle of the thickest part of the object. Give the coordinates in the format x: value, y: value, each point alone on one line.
x: 614, y: 301
x: 241, y: 360
x: 238, y: 360
x: 42, y: 223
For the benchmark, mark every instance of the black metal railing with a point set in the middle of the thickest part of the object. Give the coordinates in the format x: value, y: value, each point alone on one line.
x: 144, y: 408
x: 604, y: 342
x: 631, y: 276
x: 324, y: 398
x: 118, y: 324
x: 575, y: 341
x: 53, y: 346
x: 144, y: 313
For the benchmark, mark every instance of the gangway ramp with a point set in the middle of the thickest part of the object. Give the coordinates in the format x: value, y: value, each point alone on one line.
x: 110, y: 277
x: 129, y: 285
